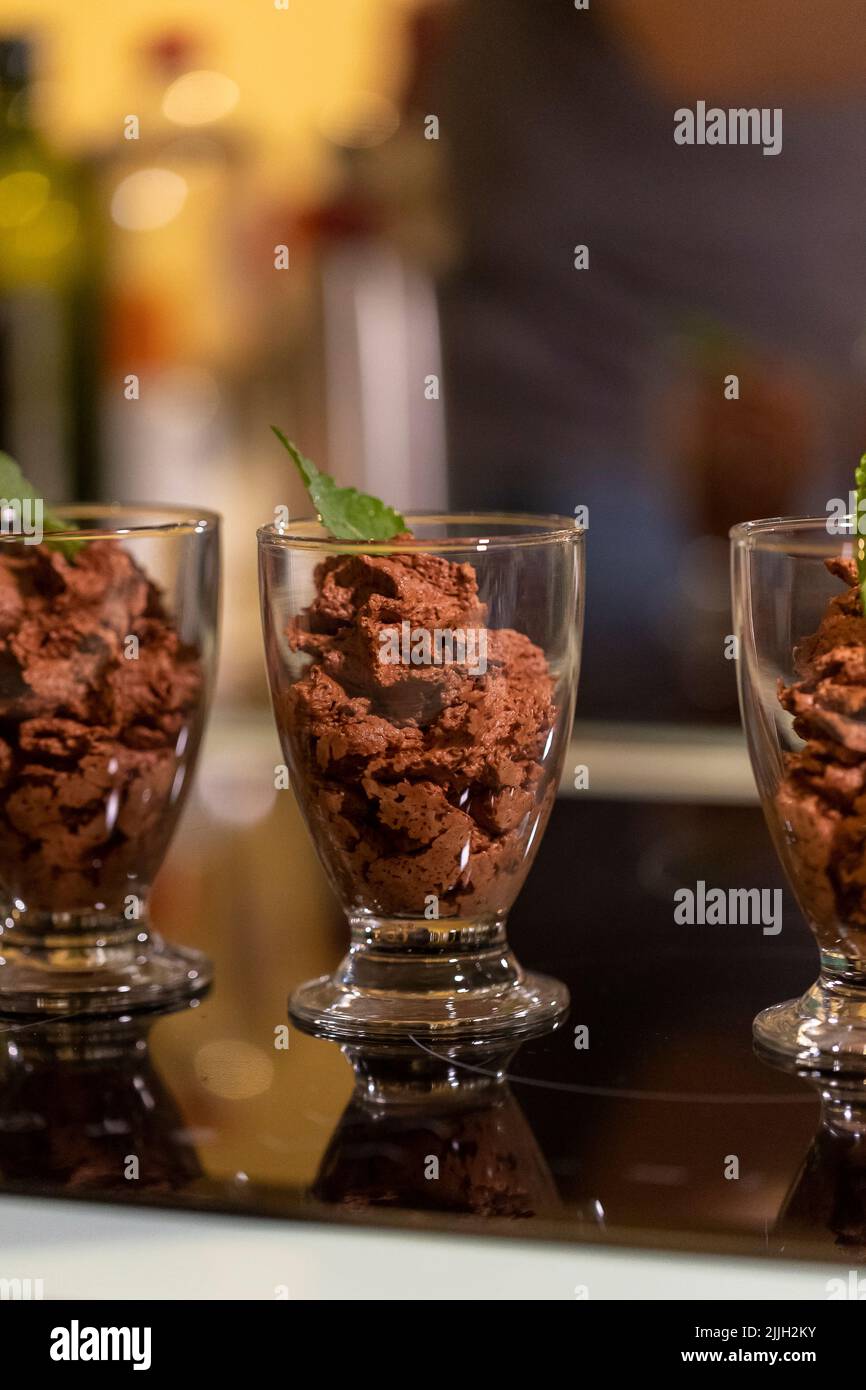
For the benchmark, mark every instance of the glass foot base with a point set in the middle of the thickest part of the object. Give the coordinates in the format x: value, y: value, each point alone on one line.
x: 824, y: 1031
x: 388, y: 997
x: 151, y: 976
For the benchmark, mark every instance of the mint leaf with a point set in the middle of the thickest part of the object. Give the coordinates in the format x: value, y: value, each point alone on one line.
x: 860, y: 544
x: 14, y: 487
x: 349, y: 515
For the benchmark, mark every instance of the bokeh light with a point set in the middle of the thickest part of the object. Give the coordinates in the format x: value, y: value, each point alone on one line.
x: 197, y: 98
x: 360, y: 120
x: 148, y: 199
x: 22, y: 195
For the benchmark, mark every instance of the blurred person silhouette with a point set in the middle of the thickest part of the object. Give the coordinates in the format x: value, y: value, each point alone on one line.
x: 604, y: 387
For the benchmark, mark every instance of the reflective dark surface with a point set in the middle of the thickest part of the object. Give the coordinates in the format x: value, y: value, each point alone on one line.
x: 632, y: 1139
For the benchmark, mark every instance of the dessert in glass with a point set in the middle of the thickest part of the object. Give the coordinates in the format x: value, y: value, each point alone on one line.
x: 423, y: 688
x: 107, y: 654
x: 802, y: 675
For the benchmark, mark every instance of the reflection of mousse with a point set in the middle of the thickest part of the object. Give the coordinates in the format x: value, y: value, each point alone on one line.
x: 828, y: 1200
x: 422, y: 779
x: 90, y: 723
x: 427, y: 1134
x: 822, y: 797
x: 79, y: 1101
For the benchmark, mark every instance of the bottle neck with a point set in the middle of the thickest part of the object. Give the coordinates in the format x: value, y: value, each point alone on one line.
x: 15, y: 70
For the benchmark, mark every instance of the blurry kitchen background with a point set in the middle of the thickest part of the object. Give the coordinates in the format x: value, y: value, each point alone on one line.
x: 359, y: 219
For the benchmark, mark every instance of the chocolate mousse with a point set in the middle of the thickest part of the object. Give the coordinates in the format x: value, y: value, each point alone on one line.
x: 97, y: 693
x: 423, y: 774
x: 822, y: 797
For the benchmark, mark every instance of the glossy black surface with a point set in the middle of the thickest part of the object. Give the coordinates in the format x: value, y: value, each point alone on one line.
x: 628, y: 1140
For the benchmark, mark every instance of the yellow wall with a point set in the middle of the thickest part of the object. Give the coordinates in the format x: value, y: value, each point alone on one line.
x: 293, y: 66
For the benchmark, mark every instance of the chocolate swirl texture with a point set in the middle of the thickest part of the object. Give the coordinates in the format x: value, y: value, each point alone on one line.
x: 822, y: 797
x: 425, y: 780
x: 92, y: 727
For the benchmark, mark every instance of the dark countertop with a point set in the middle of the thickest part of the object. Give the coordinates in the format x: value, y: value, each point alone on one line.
x: 223, y: 1106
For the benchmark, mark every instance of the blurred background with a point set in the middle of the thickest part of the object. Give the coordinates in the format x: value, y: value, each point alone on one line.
x: 359, y: 219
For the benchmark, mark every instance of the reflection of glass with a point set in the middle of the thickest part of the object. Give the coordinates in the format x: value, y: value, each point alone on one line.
x: 107, y: 653
x: 828, y: 1197
x: 435, y: 1134
x: 424, y: 691
x: 84, y: 1109
x: 802, y: 646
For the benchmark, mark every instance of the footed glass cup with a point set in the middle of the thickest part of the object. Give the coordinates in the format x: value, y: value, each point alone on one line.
x: 424, y: 690
x: 811, y: 775
x: 107, y: 656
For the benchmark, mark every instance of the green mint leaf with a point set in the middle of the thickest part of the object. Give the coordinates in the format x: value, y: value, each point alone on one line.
x: 860, y: 543
x: 349, y: 515
x: 14, y: 487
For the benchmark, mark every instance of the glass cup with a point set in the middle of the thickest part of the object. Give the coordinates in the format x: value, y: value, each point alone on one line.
x: 424, y: 692
x: 107, y: 656
x: 802, y: 679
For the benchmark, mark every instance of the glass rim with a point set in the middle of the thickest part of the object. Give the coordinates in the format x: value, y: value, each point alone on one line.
x: 776, y: 527
x: 549, y: 529
x: 175, y: 519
